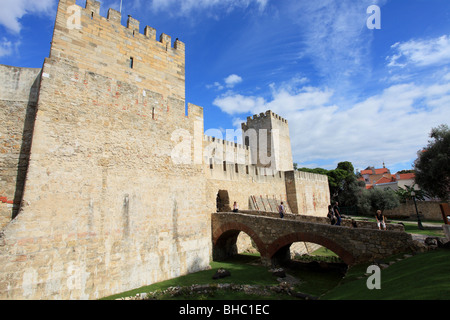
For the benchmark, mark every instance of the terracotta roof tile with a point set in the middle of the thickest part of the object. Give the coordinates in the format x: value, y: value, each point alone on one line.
x: 406, y: 176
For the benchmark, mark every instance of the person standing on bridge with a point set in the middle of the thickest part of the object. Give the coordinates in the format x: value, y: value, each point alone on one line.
x: 235, y: 207
x: 330, y: 215
x: 281, y: 210
x: 337, y: 213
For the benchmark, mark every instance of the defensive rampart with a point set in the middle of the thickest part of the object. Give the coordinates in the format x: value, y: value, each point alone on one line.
x: 107, y: 183
x: 105, y: 208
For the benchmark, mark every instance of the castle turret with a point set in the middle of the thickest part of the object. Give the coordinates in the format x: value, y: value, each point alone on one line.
x: 267, y: 135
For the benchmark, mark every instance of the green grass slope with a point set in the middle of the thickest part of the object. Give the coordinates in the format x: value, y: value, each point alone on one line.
x: 424, y: 276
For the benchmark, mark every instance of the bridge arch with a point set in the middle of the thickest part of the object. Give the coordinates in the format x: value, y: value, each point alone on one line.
x: 286, y: 240
x: 225, y: 237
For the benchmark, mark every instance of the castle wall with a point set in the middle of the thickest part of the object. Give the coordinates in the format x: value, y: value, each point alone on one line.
x: 307, y: 193
x: 106, y: 209
x: 216, y: 151
x: 241, y: 182
x: 120, y: 181
x: 285, y: 160
x: 18, y: 99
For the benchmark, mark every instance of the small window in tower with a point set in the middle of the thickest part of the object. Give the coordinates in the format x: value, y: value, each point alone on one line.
x: 132, y: 63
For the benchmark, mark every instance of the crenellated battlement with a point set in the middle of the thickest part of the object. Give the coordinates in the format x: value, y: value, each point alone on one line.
x: 266, y: 132
x: 92, y: 43
x: 225, y: 142
x: 101, y: 145
x: 262, y: 117
x: 308, y: 176
x: 92, y: 10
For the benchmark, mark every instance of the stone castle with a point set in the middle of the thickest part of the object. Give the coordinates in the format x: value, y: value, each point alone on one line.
x: 106, y: 182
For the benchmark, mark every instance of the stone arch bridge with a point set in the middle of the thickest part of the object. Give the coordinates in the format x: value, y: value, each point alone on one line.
x: 273, y: 237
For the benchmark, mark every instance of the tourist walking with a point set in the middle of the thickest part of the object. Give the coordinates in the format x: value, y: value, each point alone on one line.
x: 235, y: 207
x: 337, y: 213
x: 281, y: 210
x: 381, y: 222
x: 330, y: 215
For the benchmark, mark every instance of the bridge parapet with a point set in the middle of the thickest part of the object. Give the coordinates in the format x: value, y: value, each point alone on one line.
x: 323, y: 220
x: 273, y: 237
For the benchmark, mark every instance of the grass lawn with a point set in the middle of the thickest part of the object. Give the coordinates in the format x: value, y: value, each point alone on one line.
x: 411, y: 227
x: 424, y: 276
x: 243, y: 270
x: 421, y: 277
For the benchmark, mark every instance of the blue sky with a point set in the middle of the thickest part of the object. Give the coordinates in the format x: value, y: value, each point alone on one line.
x: 350, y: 93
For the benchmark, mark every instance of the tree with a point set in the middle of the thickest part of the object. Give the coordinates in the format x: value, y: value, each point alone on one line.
x: 316, y: 170
x: 406, y: 194
x: 343, y: 183
x: 372, y: 200
x: 432, y: 166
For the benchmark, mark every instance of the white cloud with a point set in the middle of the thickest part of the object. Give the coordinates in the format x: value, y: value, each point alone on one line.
x: 6, y: 47
x: 229, y: 82
x: 232, y: 80
x: 421, y: 53
x: 336, y: 38
x: 232, y: 103
x: 215, y: 85
x: 185, y: 7
x: 13, y: 11
x: 10, y: 15
x: 390, y: 126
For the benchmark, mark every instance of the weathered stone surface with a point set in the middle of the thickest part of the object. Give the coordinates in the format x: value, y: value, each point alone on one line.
x: 116, y: 179
x: 18, y: 99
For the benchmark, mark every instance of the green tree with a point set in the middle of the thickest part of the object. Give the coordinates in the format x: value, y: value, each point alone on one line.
x: 316, y: 170
x: 343, y: 183
x: 405, y: 194
x: 432, y: 166
x: 347, y: 187
x: 337, y: 179
x: 369, y: 201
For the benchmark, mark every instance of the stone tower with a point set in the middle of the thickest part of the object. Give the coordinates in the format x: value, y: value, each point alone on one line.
x: 102, y: 184
x: 105, y: 208
x: 267, y: 135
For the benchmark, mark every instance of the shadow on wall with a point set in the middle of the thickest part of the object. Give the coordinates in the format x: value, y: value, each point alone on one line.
x: 27, y: 138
